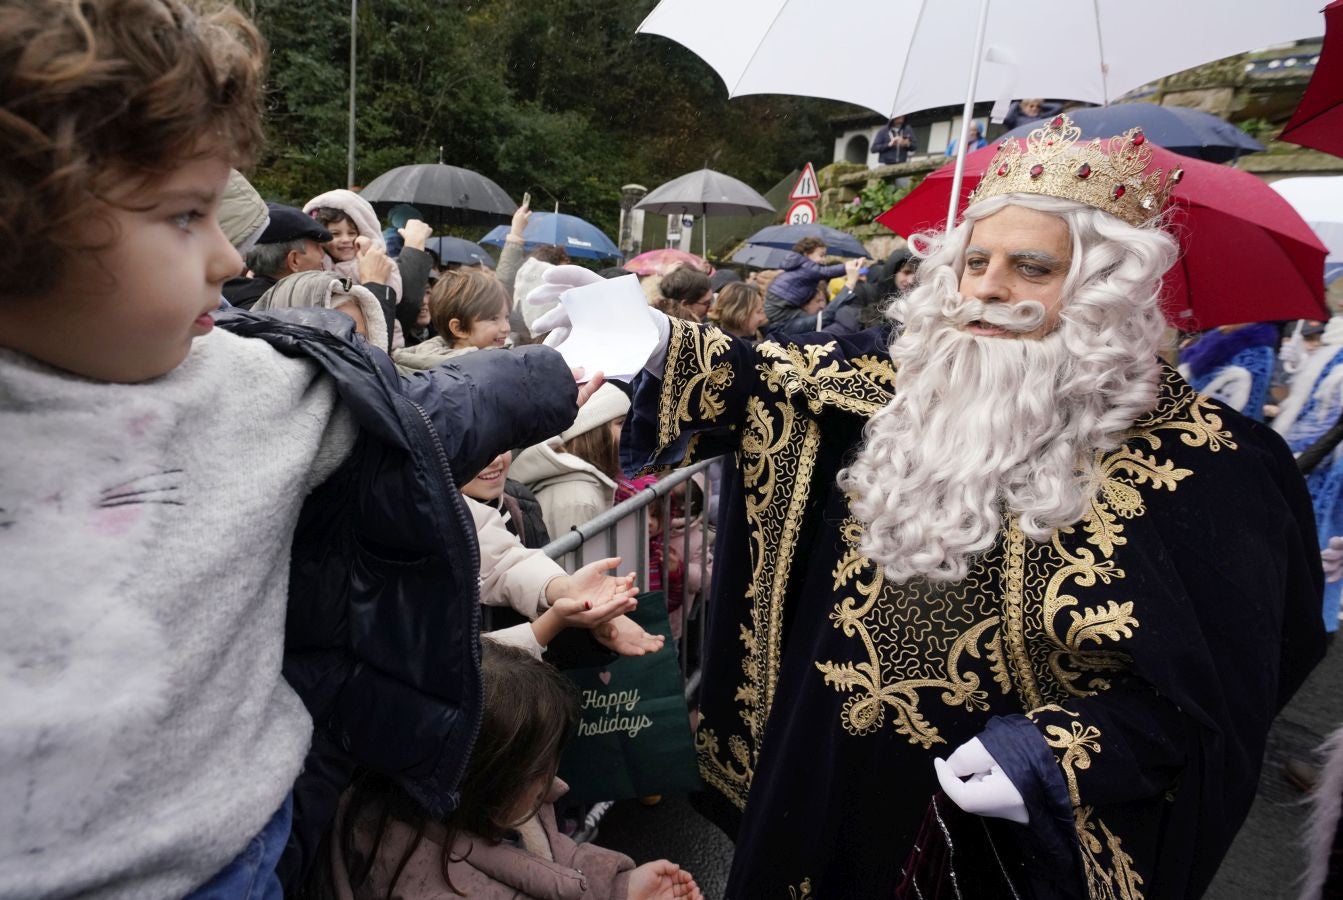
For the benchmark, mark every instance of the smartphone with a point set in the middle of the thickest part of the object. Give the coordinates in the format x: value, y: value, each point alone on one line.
x: 527, y: 198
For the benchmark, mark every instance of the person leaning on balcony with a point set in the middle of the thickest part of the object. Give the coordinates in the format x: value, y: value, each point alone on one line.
x: 894, y: 142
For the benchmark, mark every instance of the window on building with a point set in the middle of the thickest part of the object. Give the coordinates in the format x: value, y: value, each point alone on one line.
x: 855, y: 151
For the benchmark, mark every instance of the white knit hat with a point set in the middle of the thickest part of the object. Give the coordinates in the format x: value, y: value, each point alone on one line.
x: 326, y: 290
x: 607, y: 404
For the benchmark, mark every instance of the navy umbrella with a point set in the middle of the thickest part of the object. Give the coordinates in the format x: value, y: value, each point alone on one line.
x: 1189, y: 132
x: 783, y: 237
x: 450, y: 249
x: 446, y: 194
x: 578, y: 237
x: 760, y: 257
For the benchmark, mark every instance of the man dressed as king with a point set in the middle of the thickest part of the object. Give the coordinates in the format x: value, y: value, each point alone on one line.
x: 1002, y: 606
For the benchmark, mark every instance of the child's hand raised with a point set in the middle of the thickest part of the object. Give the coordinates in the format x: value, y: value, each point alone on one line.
x: 415, y: 232
x: 663, y: 880
x: 375, y: 266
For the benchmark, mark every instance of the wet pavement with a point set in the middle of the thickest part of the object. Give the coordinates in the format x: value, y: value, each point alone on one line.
x: 1267, y: 859
x: 1263, y: 864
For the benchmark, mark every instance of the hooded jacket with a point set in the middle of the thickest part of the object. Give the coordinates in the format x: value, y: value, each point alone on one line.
x: 796, y: 284
x: 427, y: 354
x: 325, y: 290
x: 392, y: 295
x: 381, y: 639
x: 365, y: 221
x: 571, y: 490
x: 555, y: 868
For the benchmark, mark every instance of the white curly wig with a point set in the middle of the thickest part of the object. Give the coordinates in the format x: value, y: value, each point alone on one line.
x: 982, y: 425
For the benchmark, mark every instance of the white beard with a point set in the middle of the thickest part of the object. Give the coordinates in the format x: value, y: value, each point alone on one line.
x: 983, y: 425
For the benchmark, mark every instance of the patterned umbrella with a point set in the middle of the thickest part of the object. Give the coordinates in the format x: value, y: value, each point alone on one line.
x: 660, y: 262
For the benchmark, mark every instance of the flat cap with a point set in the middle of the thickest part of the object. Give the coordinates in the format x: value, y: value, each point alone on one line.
x: 290, y: 224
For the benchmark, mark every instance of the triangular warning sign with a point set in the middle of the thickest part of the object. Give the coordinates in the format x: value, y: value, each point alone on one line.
x: 806, y: 187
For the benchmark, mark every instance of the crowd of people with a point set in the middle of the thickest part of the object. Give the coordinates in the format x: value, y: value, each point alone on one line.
x: 276, y: 482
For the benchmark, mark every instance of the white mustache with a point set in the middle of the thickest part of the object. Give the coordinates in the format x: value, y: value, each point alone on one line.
x: 1027, y: 315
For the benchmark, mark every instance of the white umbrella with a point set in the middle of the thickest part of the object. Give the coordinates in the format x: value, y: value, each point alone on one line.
x: 902, y: 56
x: 1319, y: 200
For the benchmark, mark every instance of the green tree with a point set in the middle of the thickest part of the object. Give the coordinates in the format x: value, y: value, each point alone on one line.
x: 557, y: 97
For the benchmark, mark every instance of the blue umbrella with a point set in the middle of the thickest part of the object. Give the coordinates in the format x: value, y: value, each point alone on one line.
x: 783, y: 237
x: 1189, y: 132
x: 577, y: 236
x: 450, y: 249
x: 761, y: 257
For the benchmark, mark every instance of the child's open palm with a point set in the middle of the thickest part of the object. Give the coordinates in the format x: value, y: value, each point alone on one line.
x: 663, y: 880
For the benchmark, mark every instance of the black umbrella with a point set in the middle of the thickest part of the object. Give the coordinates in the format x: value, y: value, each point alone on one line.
x: 1188, y: 132
x: 445, y: 194
x: 705, y: 193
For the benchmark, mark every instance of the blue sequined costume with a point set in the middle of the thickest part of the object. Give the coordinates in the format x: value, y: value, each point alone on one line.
x: 1319, y: 414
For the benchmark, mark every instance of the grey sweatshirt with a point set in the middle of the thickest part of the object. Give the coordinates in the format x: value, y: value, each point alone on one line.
x: 146, y: 734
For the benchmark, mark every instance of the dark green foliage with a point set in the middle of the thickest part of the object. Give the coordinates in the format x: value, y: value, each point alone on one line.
x: 557, y: 97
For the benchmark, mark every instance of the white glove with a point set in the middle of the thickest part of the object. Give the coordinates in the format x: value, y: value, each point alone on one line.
x: 988, y: 791
x: 1332, y: 557
x: 554, y: 283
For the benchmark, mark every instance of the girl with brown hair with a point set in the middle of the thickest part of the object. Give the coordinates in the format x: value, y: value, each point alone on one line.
x: 469, y: 311
x: 502, y: 840
x: 574, y: 475
x: 739, y: 309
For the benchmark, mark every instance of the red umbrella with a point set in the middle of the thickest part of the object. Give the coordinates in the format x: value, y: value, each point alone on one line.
x: 660, y: 262
x: 1318, y: 121
x: 1245, y: 254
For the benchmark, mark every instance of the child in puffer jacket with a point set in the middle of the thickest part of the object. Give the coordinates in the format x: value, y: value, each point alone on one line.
x: 502, y: 842
x: 181, y: 626
x: 789, y: 302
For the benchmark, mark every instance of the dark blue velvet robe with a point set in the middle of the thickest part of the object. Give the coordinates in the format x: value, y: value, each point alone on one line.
x: 1146, y: 649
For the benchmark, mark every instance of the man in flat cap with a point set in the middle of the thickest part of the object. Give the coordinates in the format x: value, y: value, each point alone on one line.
x: 291, y: 243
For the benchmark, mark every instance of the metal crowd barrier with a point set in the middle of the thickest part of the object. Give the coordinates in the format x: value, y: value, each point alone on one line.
x: 623, y: 531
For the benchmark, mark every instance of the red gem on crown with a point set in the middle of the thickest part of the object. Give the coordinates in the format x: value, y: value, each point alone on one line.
x: 1037, y: 170
x: 1002, y: 170
x: 1056, y: 122
x: 1139, y: 139
x: 1119, y: 191
x: 1085, y: 171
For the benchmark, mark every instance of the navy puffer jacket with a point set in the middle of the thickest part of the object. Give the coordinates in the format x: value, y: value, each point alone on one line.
x: 382, y: 637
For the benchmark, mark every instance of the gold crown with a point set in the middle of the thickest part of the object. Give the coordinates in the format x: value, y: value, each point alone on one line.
x: 1112, y: 176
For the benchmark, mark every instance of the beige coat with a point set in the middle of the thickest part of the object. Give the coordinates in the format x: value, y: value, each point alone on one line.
x: 426, y: 355
x: 571, y: 490
x: 557, y: 869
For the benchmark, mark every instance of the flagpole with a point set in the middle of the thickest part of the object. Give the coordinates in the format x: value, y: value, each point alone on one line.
x: 967, y: 114
x: 354, y: 36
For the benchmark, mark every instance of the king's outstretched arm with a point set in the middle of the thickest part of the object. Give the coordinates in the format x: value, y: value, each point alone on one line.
x: 690, y: 400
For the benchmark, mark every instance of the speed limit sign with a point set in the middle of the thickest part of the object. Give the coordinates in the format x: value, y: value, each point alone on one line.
x: 802, y: 212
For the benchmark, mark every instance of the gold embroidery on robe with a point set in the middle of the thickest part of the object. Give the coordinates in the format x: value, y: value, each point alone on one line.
x: 1019, y: 642
x: 697, y: 376
x: 1038, y: 639
x: 777, y: 457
